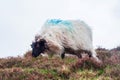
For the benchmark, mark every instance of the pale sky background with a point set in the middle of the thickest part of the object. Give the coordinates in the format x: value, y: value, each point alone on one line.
x: 20, y: 20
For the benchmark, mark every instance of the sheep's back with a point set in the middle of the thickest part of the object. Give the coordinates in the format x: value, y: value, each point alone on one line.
x: 69, y: 33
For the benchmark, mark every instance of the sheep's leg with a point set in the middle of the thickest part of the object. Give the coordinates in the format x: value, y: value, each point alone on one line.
x: 94, y: 55
x: 62, y: 52
x: 63, y: 55
x: 57, y: 48
x: 90, y: 54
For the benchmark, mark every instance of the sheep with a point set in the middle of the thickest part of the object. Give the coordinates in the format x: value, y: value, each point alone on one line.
x: 64, y: 36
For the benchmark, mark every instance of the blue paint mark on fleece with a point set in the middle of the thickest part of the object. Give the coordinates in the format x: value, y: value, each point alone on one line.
x: 54, y: 21
x: 59, y: 23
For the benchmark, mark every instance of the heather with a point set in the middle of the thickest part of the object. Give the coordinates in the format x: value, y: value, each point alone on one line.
x: 55, y: 68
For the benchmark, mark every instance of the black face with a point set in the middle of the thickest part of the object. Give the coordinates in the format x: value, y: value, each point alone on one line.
x: 38, y: 47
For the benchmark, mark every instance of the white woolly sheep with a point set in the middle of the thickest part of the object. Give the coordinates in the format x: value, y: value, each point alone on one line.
x: 64, y: 36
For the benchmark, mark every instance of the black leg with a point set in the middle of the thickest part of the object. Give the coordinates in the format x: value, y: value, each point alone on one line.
x: 63, y: 55
x: 90, y: 54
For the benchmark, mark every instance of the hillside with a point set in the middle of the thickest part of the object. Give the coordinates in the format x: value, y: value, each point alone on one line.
x: 54, y: 68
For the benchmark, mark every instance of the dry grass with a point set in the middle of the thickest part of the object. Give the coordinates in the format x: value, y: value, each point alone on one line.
x: 70, y: 68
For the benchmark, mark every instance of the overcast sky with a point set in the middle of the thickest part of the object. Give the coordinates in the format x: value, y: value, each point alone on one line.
x: 20, y: 20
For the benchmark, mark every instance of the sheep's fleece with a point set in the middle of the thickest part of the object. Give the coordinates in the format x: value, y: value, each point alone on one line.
x: 67, y: 36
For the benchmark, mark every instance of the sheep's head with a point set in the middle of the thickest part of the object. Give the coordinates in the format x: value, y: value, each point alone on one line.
x: 39, y: 47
